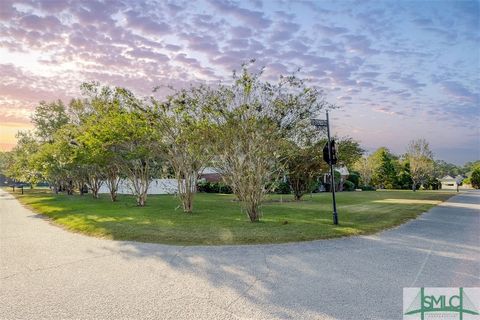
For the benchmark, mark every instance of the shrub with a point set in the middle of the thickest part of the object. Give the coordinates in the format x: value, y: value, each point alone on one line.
x: 223, y: 188
x: 367, y: 188
x: 203, y: 186
x: 348, y: 186
x: 283, y: 188
x: 475, y: 178
x: 354, y: 178
x: 213, y: 187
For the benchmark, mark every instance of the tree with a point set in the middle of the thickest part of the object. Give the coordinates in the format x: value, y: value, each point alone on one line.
x: 421, y: 161
x: 20, y: 165
x: 385, y: 174
x: 127, y: 138
x: 302, y: 166
x: 253, y: 118
x: 349, y: 151
x: 48, y: 118
x: 96, y: 141
x: 475, y: 176
x: 365, y: 167
x: 186, y: 136
x: 56, y: 162
x: 5, y: 158
x: 469, y: 167
x: 404, y: 178
x: 442, y: 169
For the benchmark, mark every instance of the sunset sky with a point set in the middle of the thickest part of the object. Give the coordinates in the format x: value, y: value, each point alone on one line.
x: 399, y: 70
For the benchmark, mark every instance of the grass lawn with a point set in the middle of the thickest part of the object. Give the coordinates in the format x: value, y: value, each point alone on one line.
x: 217, y: 218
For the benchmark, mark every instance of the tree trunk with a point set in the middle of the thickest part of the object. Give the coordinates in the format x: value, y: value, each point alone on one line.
x: 113, y: 195
x: 112, y: 184
x: 112, y: 181
x: 188, y: 204
x: 254, y: 214
x: 94, y: 184
x: 69, y: 188
x: 141, y: 199
x: 186, y: 190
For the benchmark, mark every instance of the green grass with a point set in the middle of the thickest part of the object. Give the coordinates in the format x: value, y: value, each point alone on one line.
x: 217, y: 218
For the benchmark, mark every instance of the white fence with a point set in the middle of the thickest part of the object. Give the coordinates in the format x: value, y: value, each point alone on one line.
x: 157, y: 186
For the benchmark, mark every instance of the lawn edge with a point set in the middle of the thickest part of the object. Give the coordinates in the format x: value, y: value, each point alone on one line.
x: 53, y: 222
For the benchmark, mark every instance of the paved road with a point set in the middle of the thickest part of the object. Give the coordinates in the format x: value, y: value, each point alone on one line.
x: 49, y: 273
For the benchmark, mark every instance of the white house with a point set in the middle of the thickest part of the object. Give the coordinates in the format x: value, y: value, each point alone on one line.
x: 450, y: 183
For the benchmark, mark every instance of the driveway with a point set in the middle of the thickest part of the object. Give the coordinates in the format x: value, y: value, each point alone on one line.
x: 49, y: 273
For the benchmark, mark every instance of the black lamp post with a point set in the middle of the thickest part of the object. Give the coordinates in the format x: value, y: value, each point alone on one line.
x: 330, y: 157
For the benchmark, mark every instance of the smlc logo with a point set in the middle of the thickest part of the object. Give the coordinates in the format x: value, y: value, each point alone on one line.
x: 441, y: 303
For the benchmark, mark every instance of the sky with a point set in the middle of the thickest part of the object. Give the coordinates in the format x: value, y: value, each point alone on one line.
x: 398, y: 70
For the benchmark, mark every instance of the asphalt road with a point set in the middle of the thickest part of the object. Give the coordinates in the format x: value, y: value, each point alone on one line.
x: 49, y: 273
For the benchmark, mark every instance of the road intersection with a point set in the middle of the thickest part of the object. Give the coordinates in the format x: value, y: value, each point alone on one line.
x: 49, y: 273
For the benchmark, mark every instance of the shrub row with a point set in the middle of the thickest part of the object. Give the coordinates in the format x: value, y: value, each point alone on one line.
x: 213, y: 187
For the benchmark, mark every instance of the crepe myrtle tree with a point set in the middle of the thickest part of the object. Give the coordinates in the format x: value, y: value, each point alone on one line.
x: 302, y: 166
x: 136, y: 142
x: 253, y: 119
x: 420, y: 158
x: 57, y: 162
x: 49, y: 117
x: 120, y: 139
x: 19, y: 164
x: 98, y: 142
x: 186, y: 136
x: 365, y: 167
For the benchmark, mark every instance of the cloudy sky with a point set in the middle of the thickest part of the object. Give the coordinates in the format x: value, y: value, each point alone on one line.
x: 399, y: 70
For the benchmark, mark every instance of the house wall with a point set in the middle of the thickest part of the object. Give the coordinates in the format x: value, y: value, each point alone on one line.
x: 211, y: 177
x: 450, y: 185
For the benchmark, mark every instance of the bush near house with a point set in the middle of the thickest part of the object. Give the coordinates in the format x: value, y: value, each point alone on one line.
x: 354, y: 177
x: 348, y: 186
x: 213, y: 187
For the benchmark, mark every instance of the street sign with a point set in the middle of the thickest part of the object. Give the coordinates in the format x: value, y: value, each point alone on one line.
x: 319, y: 123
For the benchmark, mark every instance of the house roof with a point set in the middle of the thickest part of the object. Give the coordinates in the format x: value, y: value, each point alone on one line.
x: 211, y: 170
x: 448, y: 178
x: 343, y: 171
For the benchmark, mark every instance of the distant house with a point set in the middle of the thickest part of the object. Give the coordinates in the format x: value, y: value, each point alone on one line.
x: 344, y: 173
x: 211, y: 174
x: 450, y: 183
x: 4, y: 181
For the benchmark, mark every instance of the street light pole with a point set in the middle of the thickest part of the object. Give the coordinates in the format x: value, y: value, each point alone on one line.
x: 320, y: 123
x: 332, y: 179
